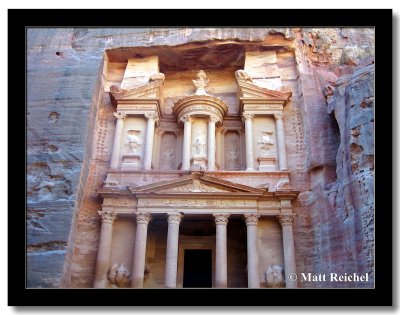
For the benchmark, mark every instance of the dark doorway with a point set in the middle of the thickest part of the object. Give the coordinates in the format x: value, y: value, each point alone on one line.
x: 197, y: 269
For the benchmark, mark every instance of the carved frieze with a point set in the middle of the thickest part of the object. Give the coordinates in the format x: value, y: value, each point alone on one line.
x: 196, y: 203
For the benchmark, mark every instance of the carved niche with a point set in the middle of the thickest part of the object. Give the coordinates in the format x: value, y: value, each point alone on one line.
x: 168, y: 151
x: 232, y: 150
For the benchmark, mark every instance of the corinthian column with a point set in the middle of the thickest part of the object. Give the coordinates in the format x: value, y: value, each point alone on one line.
x: 148, y: 146
x: 280, y: 135
x: 139, y: 251
x: 286, y: 220
x: 187, y: 139
x: 211, y: 143
x: 248, y: 124
x: 171, y: 265
x: 104, y: 250
x: 221, y: 269
x: 253, y: 277
x: 119, y: 126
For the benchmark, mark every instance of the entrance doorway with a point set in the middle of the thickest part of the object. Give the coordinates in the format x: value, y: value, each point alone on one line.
x: 197, y: 268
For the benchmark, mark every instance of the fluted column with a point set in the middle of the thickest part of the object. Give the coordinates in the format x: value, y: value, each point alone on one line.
x: 253, y: 277
x: 139, y: 251
x: 248, y: 124
x: 148, y: 146
x: 119, y: 126
x: 104, y: 250
x: 286, y: 220
x: 171, y: 265
x: 187, y: 139
x: 221, y: 268
x: 211, y: 143
x: 280, y: 135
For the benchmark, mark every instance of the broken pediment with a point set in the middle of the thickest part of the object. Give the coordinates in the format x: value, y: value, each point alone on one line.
x: 152, y: 90
x: 250, y: 90
x: 254, y: 95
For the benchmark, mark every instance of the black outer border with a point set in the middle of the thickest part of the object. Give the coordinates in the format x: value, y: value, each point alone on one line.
x: 381, y: 19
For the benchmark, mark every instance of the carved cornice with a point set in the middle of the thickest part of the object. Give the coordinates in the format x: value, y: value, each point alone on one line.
x: 251, y: 219
x: 143, y: 217
x: 221, y: 218
x: 174, y: 218
x: 286, y: 219
x: 107, y: 216
x: 120, y: 115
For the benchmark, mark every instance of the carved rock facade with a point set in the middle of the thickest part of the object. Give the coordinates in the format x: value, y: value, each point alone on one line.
x: 226, y: 150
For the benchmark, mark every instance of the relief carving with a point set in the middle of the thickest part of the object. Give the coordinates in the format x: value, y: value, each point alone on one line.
x: 275, y: 277
x: 265, y: 141
x: 157, y: 76
x: 242, y: 75
x: 119, y: 275
x: 133, y: 142
x: 282, y: 184
x: 195, y: 186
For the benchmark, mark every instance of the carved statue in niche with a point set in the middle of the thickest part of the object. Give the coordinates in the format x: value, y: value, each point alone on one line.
x: 266, y: 142
x: 133, y: 143
x: 201, y: 83
x: 119, y: 275
x: 275, y: 277
x: 168, y: 158
x: 198, y: 146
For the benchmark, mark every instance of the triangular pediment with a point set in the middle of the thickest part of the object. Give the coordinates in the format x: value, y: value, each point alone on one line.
x: 250, y: 90
x: 152, y: 90
x: 196, y: 183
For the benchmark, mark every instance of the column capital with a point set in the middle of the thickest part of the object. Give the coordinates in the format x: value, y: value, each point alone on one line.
x: 151, y: 115
x: 107, y: 216
x: 246, y: 116
x: 221, y: 218
x: 279, y: 116
x: 251, y: 219
x: 186, y: 118
x: 286, y: 219
x: 143, y: 217
x: 120, y: 115
x: 213, y: 119
x: 175, y: 217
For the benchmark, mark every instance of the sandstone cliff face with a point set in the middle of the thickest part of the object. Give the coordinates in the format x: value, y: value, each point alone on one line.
x: 330, y: 142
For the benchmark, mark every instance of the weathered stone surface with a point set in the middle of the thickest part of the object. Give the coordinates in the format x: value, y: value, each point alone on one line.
x: 70, y: 130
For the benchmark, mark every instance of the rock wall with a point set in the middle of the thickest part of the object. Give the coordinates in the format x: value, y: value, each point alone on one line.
x: 331, y: 141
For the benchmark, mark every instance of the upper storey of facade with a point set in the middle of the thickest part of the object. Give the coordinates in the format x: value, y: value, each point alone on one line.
x: 218, y: 119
